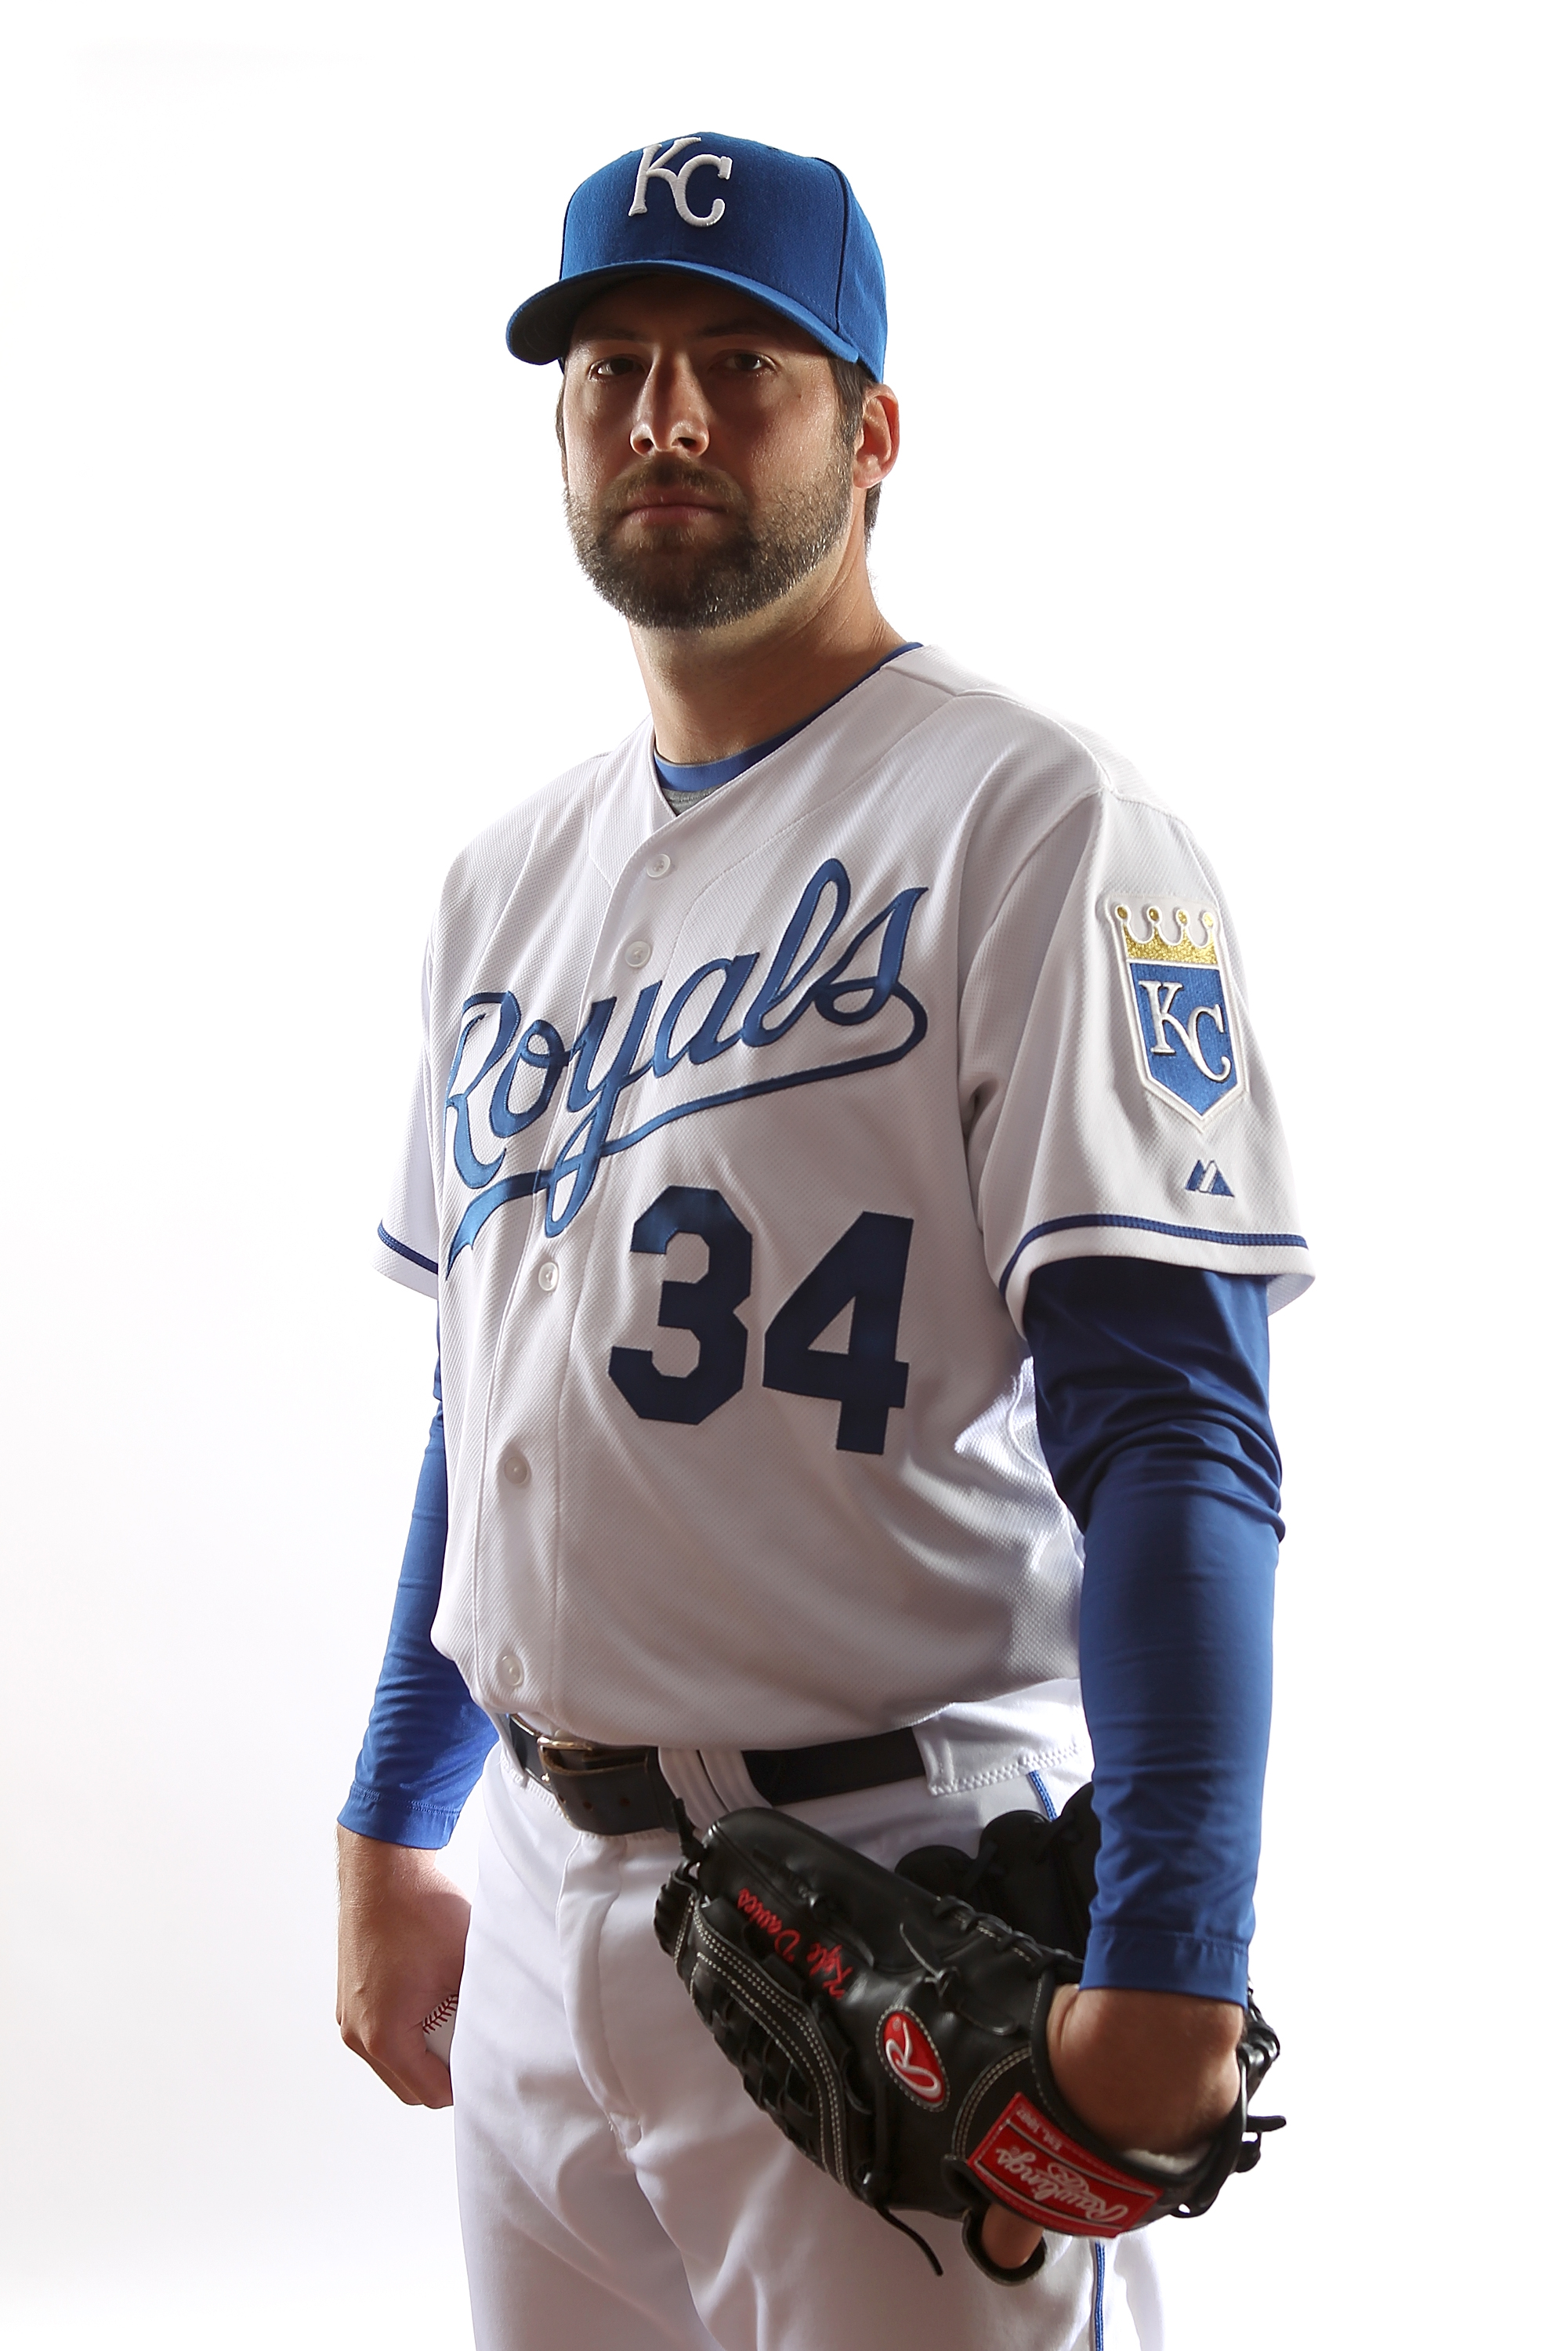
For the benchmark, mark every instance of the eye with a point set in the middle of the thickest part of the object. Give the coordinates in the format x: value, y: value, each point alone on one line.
x: 746, y: 362
x: 618, y: 363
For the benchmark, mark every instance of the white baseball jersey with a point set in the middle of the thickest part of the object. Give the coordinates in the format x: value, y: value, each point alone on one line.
x: 736, y: 1141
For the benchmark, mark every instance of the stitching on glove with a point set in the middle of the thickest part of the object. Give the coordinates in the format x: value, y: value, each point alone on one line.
x: 771, y: 2007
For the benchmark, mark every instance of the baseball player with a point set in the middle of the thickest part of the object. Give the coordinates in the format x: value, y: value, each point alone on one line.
x: 853, y: 1198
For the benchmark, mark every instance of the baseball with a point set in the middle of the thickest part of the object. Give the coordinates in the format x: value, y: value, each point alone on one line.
x: 438, y: 2026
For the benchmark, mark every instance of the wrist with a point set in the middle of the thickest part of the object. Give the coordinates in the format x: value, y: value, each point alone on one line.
x: 1155, y: 2071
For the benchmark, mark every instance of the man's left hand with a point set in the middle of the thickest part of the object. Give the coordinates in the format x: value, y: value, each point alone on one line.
x: 1154, y: 2070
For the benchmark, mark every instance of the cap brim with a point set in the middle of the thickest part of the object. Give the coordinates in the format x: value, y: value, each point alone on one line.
x: 539, y: 330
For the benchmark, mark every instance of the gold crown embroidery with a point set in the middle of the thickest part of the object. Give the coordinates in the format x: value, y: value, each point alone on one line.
x: 1158, y: 948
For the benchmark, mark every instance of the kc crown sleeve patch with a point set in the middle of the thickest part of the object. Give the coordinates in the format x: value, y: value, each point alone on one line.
x: 1187, y: 1042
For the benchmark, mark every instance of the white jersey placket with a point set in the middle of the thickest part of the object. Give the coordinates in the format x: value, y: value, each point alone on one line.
x: 520, y: 1468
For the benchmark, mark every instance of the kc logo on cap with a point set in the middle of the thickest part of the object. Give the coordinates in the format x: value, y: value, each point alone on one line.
x: 677, y: 182
x: 795, y: 240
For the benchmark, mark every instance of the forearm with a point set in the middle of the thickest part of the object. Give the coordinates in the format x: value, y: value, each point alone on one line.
x: 426, y: 1740
x: 376, y: 1876
x: 1176, y: 1659
x: 1152, y: 1409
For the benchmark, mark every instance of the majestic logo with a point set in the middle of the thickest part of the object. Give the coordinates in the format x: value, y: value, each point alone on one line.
x: 1206, y: 1178
x: 1175, y: 992
x: 911, y: 2059
x: 655, y: 166
x: 1036, y: 2169
x: 506, y: 1075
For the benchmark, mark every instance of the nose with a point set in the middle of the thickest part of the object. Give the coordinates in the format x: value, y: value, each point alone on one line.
x: 671, y: 413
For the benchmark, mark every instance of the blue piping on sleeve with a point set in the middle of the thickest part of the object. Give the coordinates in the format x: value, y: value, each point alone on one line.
x: 401, y: 1249
x: 1203, y: 1233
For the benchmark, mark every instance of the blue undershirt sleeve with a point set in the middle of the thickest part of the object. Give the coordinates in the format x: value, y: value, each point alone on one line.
x: 426, y: 1740
x: 1152, y: 1387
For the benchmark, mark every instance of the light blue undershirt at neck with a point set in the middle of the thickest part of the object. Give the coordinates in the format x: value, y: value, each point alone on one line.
x: 681, y: 785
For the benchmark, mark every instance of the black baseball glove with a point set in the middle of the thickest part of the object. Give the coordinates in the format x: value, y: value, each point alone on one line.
x: 893, y: 2024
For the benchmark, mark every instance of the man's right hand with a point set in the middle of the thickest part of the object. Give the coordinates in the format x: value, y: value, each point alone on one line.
x: 401, y: 1927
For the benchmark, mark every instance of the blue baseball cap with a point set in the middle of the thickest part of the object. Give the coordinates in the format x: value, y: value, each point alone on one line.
x: 785, y: 228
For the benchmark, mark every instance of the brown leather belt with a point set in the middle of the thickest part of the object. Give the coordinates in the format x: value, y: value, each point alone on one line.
x: 618, y: 1791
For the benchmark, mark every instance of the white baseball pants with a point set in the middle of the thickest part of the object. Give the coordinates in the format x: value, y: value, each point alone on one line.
x: 618, y: 2191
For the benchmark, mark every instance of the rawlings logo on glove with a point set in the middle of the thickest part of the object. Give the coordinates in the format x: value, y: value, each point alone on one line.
x: 894, y: 2024
x: 911, y: 2060
x: 1036, y: 2170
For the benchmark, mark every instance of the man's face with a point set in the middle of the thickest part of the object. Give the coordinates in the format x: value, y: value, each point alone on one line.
x: 708, y: 471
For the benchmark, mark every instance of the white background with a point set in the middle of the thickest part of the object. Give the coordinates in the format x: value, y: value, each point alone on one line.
x: 1230, y: 344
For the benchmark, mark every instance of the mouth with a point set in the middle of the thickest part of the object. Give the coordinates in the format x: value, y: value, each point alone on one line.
x: 670, y: 508
x: 665, y: 497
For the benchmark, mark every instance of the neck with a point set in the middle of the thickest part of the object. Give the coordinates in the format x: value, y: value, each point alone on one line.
x: 715, y: 692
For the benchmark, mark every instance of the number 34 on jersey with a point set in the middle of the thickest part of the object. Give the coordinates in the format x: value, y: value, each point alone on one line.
x: 865, y: 1271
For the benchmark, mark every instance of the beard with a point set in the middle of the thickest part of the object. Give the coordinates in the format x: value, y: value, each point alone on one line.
x: 672, y: 581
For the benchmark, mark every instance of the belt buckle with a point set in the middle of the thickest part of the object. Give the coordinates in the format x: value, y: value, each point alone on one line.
x: 606, y: 1791
x: 578, y: 1755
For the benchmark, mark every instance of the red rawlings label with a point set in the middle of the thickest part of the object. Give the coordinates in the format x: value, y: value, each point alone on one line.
x: 1027, y: 2163
x: 909, y: 2058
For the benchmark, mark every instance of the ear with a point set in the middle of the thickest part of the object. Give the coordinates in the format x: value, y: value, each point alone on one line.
x: 876, y: 445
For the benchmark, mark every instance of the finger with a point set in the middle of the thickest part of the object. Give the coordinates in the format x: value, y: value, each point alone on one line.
x: 427, y: 2075
x: 1062, y: 2001
x: 392, y: 2080
x: 407, y: 2066
x: 417, y: 2082
x: 1008, y: 2239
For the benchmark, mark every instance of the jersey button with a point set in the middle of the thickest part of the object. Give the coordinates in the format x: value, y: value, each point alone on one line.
x: 658, y: 867
x: 637, y: 953
x: 513, y: 1467
x: 549, y: 1274
x: 509, y: 1669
